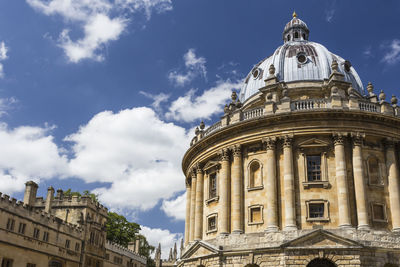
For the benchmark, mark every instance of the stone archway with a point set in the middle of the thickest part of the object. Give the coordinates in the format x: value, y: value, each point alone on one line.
x: 321, y: 263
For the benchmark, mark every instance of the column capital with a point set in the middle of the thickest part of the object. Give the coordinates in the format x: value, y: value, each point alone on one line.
x: 224, y: 154
x: 269, y: 142
x: 389, y: 143
x: 193, y: 172
x: 287, y: 140
x: 338, y: 138
x: 237, y: 150
x: 188, y: 182
x: 358, y: 138
x: 199, y: 168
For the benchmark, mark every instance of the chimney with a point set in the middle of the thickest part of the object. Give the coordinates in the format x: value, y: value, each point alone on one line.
x: 131, y: 246
x: 137, y: 246
x: 49, y: 199
x: 60, y: 194
x: 30, y: 193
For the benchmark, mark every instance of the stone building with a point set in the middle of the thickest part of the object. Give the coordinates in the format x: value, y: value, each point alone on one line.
x: 58, y: 231
x: 301, y: 170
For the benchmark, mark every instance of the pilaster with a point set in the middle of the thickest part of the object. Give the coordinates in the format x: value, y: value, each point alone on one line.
x: 224, y: 189
x: 237, y: 199
x: 288, y: 183
x: 199, y: 203
x: 393, y: 184
x: 192, y: 206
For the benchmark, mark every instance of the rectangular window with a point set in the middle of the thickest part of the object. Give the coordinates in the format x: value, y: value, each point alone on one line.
x: 314, y: 168
x: 212, y: 185
x: 21, y: 228
x: 107, y: 256
x: 10, y: 224
x: 316, y: 210
x: 30, y: 265
x: 255, y: 215
x: 7, y: 263
x: 212, y: 223
x: 46, y: 236
x: 67, y: 243
x: 378, y: 212
x: 78, y: 246
x: 36, y: 233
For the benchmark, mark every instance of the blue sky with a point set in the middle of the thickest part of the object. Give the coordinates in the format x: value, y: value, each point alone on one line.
x: 104, y: 94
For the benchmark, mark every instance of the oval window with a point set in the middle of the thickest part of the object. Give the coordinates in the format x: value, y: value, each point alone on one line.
x: 256, y: 73
x: 301, y: 58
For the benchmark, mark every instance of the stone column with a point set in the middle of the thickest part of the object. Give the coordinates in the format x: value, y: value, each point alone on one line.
x: 187, y: 219
x: 237, y: 199
x: 224, y: 190
x: 198, y: 232
x: 192, y: 206
x: 393, y: 184
x: 359, y: 183
x: 270, y: 173
x: 341, y: 182
x: 288, y: 185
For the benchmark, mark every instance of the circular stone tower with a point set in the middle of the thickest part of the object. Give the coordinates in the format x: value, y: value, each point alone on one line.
x: 301, y: 170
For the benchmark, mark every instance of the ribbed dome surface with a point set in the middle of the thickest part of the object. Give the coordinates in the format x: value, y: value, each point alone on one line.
x: 298, y: 60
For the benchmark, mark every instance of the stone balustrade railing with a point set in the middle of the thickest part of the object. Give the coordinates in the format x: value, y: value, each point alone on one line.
x: 305, y: 105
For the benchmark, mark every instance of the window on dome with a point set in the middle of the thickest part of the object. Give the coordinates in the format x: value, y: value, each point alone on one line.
x: 296, y: 35
x: 301, y: 58
x: 304, y: 36
x: 288, y: 37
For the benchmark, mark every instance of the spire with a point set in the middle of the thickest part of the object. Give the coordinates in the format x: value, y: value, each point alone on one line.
x: 294, y: 14
x: 175, y: 253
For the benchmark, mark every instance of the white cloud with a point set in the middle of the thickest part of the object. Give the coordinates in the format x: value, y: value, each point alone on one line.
x: 392, y: 55
x: 195, y: 66
x: 99, y: 30
x: 330, y: 11
x: 167, y: 239
x: 28, y: 153
x: 3, y: 56
x: 175, y: 208
x: 135, y: 151
x: 368, y: 51
x: 102, y: 21
x: 190, y: 108
x: 157, y: 99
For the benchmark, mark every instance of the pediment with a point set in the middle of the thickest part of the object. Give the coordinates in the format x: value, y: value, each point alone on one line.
x: 313, y: 142
x: 322, y: 239
x: 210, y: 164
x: 199, y: 249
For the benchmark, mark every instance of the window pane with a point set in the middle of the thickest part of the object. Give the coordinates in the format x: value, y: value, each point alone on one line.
x: 255, y: 215
x: 314, y: 168
x: 316, y: 210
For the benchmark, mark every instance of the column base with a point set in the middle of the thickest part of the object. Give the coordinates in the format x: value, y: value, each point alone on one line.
x: 345, y: 226
x: 364, y: 227
x: 224, y: 234
x: 272, y: 229
x: 237, y: 232
x: 396, y: 230
x: 290, y: 228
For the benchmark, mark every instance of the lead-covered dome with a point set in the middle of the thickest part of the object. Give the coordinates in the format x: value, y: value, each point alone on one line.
x: 298, y: 60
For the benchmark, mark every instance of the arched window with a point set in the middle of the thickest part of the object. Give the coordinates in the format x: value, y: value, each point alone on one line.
x: 296, y: 35
x: 288, y: 37
x: 304, y: 36
x: 255, y: 174
x: 321, y: 263
x: 374, y: 174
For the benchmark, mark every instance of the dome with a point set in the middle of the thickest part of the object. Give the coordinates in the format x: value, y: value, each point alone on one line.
x: 298, y: 60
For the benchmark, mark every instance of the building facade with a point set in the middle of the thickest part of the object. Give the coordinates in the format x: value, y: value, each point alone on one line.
x: 58, y: 231
x: 301, y: 170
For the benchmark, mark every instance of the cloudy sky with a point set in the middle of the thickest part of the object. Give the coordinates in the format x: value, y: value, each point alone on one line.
x: 103, y: 95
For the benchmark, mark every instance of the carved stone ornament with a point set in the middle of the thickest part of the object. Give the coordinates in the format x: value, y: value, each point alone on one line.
x: 202, y: 125
x: 338, y: 139
x: 370, y: 89
x: 224, y: 154
x: 287, y: 141
x: 188, y: 182
x: 335, y: 66
x: 271, y: 70
x: 389, y: 143
x: 358, y: 139
x: 198, y: 168
x: 393, y: 100
x: 269, y: 143
x: 237, y: 152
x: 234, y: 96
x: 382, y: 96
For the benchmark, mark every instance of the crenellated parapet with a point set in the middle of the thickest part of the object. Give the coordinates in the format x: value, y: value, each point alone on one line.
x: 121, y: 250
x: 18, y: 208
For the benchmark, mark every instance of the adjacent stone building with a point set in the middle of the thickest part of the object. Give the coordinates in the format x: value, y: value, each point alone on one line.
x: 58, y: 231
x: 301, y: 170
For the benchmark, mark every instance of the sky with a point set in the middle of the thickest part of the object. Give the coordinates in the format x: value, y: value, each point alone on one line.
x: 104, y: 95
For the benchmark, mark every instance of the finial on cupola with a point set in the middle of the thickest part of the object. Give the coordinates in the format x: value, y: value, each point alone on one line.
x: 294, y: 14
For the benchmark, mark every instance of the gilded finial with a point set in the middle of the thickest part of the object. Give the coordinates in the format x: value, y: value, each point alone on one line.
x: 294, y: 14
